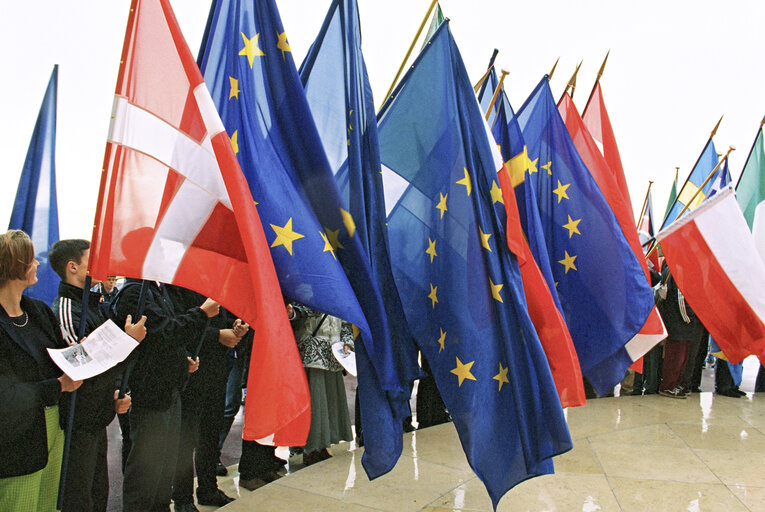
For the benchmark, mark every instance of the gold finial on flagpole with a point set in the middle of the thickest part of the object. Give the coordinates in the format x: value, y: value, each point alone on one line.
x: 552, y: 71
x: 496, y: 93
x: 602, y: 66
x: 716, y: 127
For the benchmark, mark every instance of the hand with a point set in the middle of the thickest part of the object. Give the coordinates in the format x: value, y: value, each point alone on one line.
x: 210, y: 307
x: 136, y: 331
x: 228, y: 338
x: 193, y: 364
x: 67, y: 384
x: 240, y: 328
x: 290, y: 312
x: 121, y: 405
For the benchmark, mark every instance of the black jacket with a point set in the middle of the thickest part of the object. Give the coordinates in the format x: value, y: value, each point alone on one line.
x: 24, y: 393
x: 675, y: 310
x: 94, y: 407
x: 160, y: 367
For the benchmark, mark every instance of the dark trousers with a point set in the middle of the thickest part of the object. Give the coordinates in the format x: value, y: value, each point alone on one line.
x: 202, y: 406
x: 694, y: 348
x: 723, y: 378
x: 652, y: 369
x: 675, y: 360
x: 124, y: 420
x: 759, y: 384
x: 233, y: 397
x: 148, y: 481
x: 256, y: 460
x: 87, y: 479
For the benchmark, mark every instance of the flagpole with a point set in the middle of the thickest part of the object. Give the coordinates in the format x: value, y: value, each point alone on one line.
x: 478, y: 86
x: 496, y: 93
x: 552, y: 71
x: 409, y: 51
x: 762, y: 123
x: 645, y: 204
x: 714, y: 131
x: 731, y: 149
x: 571, y: 83
x: 597, y: 80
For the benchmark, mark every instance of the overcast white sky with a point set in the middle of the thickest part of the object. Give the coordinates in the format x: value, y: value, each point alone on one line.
x: 675, y: 68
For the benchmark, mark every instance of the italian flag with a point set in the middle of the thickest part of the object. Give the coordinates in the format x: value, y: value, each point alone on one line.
x: 750, y: 192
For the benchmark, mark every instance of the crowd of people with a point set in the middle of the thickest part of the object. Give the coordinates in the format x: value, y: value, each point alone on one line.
x: 177, y: 394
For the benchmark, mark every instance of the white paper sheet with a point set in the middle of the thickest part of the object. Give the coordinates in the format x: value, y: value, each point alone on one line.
x: 348, y: 361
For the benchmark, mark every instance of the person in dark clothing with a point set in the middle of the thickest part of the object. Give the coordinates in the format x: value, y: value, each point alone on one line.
x: 96, y: 401
x: 202, y: 403
x: 161, y: 368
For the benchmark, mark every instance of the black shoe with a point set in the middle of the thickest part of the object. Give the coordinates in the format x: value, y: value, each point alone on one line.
x: 220, y: 469
x: 185, y: 507
x: 216, y: 498
x: 729, y: 392
x: 739, y: 392
x: 313, y: 457
x: 677, y: 392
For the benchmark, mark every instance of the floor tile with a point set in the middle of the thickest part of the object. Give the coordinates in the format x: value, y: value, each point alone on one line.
x: 640, y: 495
x: 735, y: 467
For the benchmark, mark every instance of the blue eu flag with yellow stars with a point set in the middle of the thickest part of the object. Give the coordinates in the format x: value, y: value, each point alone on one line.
x: 35, y: 210
x: 337, y: 88
x: 460, y: 285
x: 602, y: 288
x: 247, y: 62
x: 704, y: 165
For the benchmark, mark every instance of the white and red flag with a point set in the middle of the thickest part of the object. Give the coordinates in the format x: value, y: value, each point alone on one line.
x: 174, y: 207
x: 713, y: 259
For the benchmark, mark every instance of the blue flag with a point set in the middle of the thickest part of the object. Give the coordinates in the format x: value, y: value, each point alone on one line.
x: 704, y: 165
x: 720, y: 180
x: 460, y: 285
x: 35, y: 210
x: 338, y: 91
x: 247, y: 62
x: 601, y: 285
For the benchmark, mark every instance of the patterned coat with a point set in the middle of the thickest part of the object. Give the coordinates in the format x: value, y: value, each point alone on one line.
x: 315, y: 345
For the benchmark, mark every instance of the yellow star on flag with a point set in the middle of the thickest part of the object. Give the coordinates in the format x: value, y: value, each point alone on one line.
x: 348, y: 221
x: 501, y: 376
x: 466, y: 181
x: 533, y: 166
x: 572, y: 226
x: 285, y: 236
x: 561, y: 191
x: 441, y: 340
x: 484, y: 239
x: 568, y: 262
x: 283, y: 45
x: 548, y: 167
x: 432, y: 295
x: 327, y: 245
x: 462, y: 371
x: 442, y: 204
x: 334, y: 238
x: 495, y: 289
x: 251, y: 49
x: 496, y: 193
x: 431, y: 249
x: 234, y: 143
x: 234, y: 93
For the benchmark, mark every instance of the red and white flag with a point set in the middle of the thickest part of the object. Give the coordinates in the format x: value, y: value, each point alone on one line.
x: 653, y: 330
x: 713, y: 259
x: 174, y: 207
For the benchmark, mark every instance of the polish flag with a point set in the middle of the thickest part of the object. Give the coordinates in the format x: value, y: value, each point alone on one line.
x: 174, y: 207
x: 653, y: 330
x: 715, y: 263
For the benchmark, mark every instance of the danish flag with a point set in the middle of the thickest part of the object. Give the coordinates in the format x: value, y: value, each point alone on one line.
x: 174, y: 206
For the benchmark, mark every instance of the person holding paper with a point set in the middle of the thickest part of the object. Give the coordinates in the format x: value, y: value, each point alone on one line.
x: 31, y: 386
x: 97, y: 402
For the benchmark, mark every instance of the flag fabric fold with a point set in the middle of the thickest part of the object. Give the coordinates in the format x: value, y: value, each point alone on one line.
x: 460, y: 285
x: 174, y: 207
x: 750, y: 192
x: 602, y: 287
x: 338, y: 91
x: 35, y: 210
x: 716, y: 265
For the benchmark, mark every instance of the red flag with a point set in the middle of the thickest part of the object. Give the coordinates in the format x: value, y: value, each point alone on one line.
x: 713, y: 259
x: 653, y: 331
x: 174, y: 207
x: 548, y: 321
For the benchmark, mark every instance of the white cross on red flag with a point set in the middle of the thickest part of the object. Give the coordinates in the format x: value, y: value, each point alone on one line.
x: 174, y: 207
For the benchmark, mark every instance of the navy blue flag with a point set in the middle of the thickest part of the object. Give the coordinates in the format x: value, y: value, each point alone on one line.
x: 704, y: 165
x: 35, y: 210
x: 459, y: 283
x: 721, y: 179
x: 338, y: 91
x: 247, y: 62
x: 601, y: 285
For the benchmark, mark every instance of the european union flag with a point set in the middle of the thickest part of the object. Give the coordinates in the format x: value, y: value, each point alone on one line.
x: 460, y: 285
x: 704, y: 165
x: 601, y: 285
x: 35, y: 210
x: 338, y: 91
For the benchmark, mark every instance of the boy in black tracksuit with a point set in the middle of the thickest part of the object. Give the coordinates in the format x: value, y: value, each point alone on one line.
x: 96, y: 403
x: 162, y: 365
